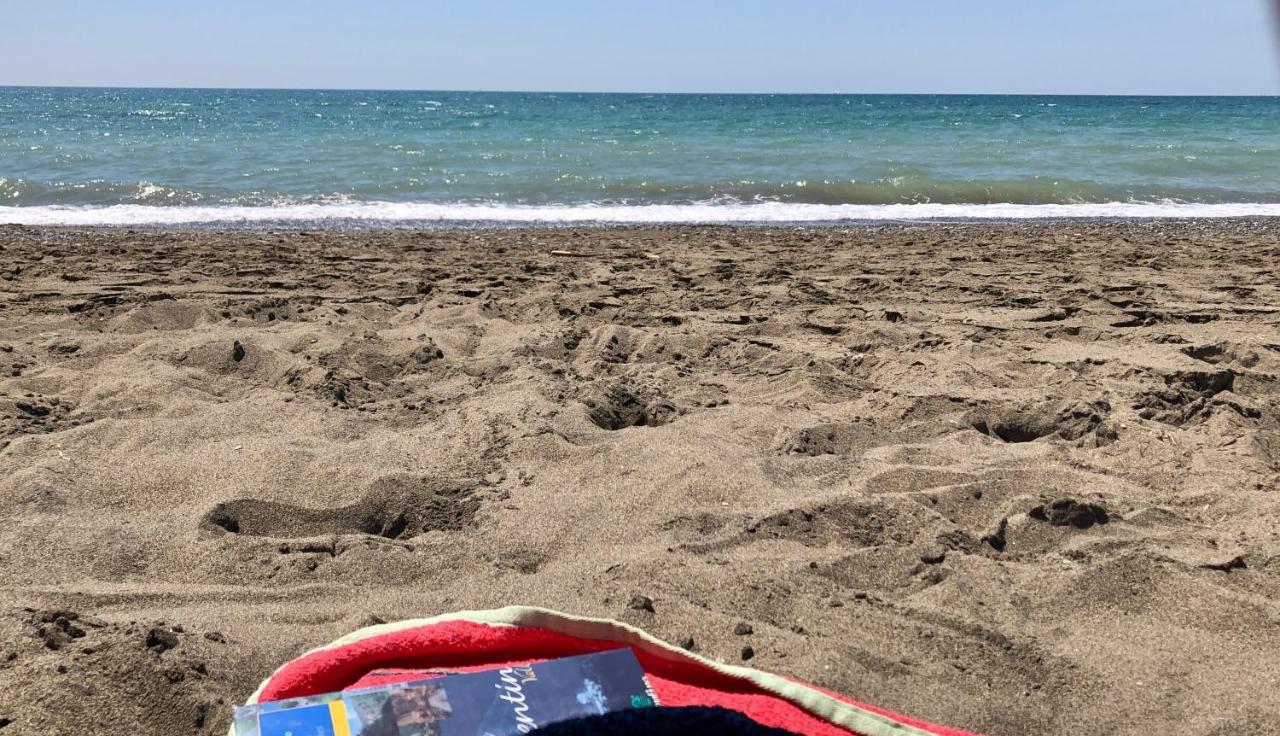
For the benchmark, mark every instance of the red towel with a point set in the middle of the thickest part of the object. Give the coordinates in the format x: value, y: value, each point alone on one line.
x: 485, y: 639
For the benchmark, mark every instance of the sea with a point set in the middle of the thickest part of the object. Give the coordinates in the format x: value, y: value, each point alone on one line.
x: 227, y: 157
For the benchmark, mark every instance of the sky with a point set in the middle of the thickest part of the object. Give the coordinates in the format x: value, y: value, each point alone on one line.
x: 853, y: 46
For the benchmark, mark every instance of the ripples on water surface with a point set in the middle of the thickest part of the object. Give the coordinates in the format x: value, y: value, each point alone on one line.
x: 118, y: 156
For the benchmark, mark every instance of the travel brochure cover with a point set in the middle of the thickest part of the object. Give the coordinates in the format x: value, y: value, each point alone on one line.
x: 506, y: 701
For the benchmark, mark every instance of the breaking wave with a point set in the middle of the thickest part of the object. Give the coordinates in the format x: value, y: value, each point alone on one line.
x: 407, y: 213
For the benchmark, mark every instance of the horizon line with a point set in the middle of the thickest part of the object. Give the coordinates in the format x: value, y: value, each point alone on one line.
x: 638, y: 92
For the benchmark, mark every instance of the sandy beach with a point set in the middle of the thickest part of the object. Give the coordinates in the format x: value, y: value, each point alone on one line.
x: 1019, y: 479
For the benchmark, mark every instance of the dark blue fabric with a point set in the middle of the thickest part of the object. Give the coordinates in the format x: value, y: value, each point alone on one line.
x: 686, y: 721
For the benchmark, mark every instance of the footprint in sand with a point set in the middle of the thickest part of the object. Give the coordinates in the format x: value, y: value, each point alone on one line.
x: 620, y: 408
x: 1030, y: 423
x: 396, y: 507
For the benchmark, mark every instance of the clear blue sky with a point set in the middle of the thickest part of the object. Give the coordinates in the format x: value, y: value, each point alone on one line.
x: 1030, y: 46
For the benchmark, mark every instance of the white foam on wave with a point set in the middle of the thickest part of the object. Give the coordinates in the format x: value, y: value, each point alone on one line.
x: 374, y: 213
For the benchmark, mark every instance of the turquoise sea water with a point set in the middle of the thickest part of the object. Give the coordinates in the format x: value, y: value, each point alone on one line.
x: 124, y: 156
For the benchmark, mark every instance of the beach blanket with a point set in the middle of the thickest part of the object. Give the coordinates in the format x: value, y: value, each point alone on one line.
x: 693, y: 690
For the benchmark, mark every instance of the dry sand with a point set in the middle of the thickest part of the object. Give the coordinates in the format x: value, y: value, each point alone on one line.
x: 1019, y: 479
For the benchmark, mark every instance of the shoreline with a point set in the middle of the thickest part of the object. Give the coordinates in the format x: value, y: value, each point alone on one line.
x: 1017, y: 478
x: 375, y: 215
x: 1254, y: 223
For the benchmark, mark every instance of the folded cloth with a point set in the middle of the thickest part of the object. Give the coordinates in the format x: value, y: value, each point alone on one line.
x: 474, y: 640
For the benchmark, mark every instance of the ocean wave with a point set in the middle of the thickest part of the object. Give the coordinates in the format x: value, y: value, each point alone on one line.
x: 906, y: 187
x: 913, y: 188
x: 393, y: 213
x: 94, y: 193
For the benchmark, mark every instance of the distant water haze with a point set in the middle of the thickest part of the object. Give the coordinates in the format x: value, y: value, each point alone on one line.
x: 121, y: 156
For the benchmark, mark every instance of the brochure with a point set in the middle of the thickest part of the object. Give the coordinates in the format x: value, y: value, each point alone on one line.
x: 507, y: 701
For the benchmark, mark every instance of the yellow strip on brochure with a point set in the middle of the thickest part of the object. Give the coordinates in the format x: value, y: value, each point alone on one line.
x: 338, y: 712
